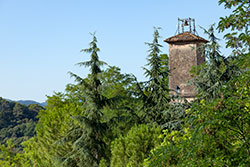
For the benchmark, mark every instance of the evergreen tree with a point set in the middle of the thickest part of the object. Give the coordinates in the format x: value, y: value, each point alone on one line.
x: 175, y: 115
x: 88, y: 133
x: 82, y: 122
x: 215, y: 72
x: 216, y: 130
x: 155, y: 91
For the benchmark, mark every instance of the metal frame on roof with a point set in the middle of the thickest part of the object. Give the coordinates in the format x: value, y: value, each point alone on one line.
x: 187, y: 22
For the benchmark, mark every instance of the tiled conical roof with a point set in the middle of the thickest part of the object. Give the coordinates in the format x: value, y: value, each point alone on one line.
x: 185, y: 37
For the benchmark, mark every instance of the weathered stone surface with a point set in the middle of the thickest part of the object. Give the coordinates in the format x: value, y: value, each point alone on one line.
x: 183, y: 55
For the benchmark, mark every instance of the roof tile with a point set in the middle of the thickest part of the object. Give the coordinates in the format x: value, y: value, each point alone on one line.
x: 185, y: 37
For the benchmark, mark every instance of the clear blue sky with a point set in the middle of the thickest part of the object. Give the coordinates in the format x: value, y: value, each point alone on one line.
x: 40, y: 40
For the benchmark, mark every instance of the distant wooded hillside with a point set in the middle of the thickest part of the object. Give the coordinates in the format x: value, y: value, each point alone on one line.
x: 28, y: 102
x: 17, y: 121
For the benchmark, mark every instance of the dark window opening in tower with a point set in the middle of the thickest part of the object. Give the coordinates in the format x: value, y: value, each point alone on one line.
x: 178, y: 89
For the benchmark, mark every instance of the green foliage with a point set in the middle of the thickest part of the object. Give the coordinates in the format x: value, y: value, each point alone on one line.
x: 164, y: 59
x: 108, y: 106
x: 216, y: 130
x: 17, y: 124
x: 219, y: 133
x: 154, y: 93
x: 9, y: 157
x: 87, y: 135
x: 215, y: 72
x: 120, y: 114
x: 174, y: 115
x: 54, y: 123
x: 103, y: 163
x: 17, y: 121
x: 102, y: 121
x: 77, y: 127
x: 130, y: 150
x: 238, y: 22
x: 169, y: 152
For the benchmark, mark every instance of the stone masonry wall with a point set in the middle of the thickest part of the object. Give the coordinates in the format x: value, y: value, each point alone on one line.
x: 182, y: 57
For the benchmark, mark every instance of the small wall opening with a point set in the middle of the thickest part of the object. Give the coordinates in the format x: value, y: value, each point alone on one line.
x: 178, y: 89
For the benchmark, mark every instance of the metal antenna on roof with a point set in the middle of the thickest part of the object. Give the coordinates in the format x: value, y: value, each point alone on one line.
x: 194, y: 26
x: 178, y: 28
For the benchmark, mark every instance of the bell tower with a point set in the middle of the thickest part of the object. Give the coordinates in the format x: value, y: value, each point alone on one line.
x: 183, y: 54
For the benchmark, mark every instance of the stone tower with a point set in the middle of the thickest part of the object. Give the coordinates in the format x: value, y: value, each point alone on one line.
x: 183, y: 54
